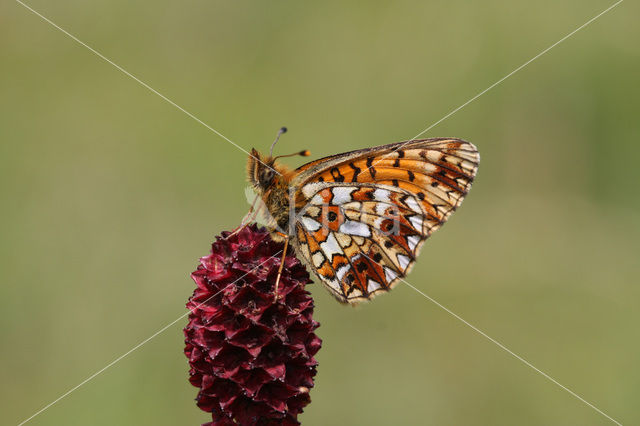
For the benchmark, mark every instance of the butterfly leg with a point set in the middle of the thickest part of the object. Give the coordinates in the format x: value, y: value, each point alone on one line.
x: 284, y: 255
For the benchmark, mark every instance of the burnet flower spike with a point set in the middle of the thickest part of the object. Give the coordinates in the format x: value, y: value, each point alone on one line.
x: 251, y: 355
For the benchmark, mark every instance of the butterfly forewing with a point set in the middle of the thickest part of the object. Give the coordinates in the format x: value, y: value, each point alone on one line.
x: 363, y: 215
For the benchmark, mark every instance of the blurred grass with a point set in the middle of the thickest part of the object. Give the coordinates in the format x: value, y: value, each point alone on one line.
x: 109, y: 195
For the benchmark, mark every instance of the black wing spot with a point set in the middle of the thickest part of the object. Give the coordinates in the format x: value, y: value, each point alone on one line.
x: 362, y: 266
x: 421, y: 195
x: 320, y: 179
x: 412, y: 177
x: 337, y: 176
x: 388, y: 244
x: 356, y: 172
x: 332, y: 216
x: 400, y: 155
x: 370, y: 195
x: 434, y: 184
x: 395, y: 182
x: 377, y: 257
x: 370, y: 167
x: 442, y: 173
x: 350, y: 279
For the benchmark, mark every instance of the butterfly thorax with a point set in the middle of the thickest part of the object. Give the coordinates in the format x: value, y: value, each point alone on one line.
x: 271, y: 180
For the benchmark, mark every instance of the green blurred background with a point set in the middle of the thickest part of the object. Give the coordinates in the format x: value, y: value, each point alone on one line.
x: 110, y: 194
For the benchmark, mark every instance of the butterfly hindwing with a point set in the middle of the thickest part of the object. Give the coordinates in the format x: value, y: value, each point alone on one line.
x: 360, y: 238
x: 364, y: 215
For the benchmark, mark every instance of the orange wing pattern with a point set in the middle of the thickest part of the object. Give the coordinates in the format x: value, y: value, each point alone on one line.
x: 363, y: 216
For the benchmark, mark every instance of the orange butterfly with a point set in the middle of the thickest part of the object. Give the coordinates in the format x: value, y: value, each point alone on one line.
x: 358, y: 219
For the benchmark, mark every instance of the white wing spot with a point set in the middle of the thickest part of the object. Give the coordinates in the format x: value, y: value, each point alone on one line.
x: 416, y: 221
x: 390, y: 274
x: 413, y: 241
x: 341, y: 271
x: 342, y: 194
x: 381, y: 195
x: 403, y: 260
x: 331, y: 247
x: 351, y: 227
x: 310, y: 224
x: 381, y: 209
x: 317, y: 200
x: 373, y: 286
x: 311, y: 188
x: 413, y: 205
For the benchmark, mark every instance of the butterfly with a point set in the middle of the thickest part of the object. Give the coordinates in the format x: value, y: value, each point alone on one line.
x: 359, y: 219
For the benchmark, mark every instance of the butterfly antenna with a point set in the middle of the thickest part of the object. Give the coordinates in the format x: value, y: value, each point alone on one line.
x: 280, y: 132
x: 303, y: 153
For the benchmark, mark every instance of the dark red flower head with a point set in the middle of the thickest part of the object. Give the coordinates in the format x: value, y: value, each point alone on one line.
x: 251, y: 355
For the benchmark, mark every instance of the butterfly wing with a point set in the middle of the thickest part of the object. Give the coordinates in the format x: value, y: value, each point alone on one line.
x: 362, y: 216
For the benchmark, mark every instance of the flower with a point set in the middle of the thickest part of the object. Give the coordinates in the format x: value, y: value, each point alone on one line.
x: 252, y: 356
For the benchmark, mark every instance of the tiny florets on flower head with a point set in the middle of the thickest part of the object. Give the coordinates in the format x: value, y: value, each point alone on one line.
x: 250, y: 354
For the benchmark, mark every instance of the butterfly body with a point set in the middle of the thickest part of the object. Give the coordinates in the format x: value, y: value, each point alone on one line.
x: 271, y: 182
x: 358, y: 219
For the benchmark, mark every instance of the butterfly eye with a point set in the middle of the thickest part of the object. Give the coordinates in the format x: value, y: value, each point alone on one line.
x: 266, y: 176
